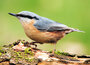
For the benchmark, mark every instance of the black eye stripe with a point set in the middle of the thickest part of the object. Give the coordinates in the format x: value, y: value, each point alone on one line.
x: 27, y: 16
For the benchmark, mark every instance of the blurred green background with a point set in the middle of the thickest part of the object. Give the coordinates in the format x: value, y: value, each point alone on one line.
x: 74, y: 13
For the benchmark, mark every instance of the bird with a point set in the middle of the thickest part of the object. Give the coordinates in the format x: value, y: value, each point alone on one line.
x: 41, y: 29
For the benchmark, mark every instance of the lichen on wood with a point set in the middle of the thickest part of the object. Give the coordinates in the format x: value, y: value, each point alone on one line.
x: 25, y: 53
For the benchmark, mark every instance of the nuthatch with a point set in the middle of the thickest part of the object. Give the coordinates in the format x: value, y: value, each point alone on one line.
x: 41, y: 29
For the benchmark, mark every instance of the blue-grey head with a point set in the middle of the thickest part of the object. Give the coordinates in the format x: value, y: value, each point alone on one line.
x: 26, y: 16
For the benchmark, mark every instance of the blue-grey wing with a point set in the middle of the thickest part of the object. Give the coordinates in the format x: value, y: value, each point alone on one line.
x: 45, y: 24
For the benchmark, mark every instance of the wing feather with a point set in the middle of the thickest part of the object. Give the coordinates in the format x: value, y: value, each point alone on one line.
x: 45, y: 24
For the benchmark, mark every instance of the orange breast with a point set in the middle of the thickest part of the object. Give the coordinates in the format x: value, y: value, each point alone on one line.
x: 43, y: 37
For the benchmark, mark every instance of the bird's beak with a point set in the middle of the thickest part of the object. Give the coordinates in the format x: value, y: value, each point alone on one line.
x: 12, y: 14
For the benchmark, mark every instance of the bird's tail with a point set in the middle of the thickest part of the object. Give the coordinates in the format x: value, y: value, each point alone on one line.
x: 77, y: 30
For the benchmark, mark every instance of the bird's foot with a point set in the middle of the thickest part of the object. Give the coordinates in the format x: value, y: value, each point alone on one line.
x: 53, y: 52
x: 34, y: 43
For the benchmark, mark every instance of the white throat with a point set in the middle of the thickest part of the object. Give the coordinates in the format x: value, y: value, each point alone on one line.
x: 25, y: 20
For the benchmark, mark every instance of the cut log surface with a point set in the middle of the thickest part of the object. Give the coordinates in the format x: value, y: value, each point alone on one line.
x: 26, y: 53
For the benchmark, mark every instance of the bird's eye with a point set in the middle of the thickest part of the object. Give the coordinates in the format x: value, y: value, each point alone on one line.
x: 36, y: 18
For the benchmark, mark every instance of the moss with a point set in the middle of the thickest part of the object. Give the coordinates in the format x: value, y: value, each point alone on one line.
x: 27, y: 55
x: 28, y: 51
x: 61, y: 53
x: 29, y: 59
x: 0, y: 53
x: 19, y: 54
x: 2, y: 50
